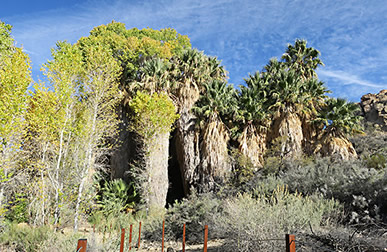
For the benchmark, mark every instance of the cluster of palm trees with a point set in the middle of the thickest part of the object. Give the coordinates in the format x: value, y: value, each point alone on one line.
x: 285, y: 102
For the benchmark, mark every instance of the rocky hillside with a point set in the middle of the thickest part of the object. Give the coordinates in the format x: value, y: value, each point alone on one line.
x: 374, y: 108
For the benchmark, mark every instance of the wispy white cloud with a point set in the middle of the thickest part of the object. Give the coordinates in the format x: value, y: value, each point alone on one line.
x: 347, y: 78
x: 245, y: 34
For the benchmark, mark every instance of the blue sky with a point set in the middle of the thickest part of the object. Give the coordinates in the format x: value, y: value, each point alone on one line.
x: 351, y: 35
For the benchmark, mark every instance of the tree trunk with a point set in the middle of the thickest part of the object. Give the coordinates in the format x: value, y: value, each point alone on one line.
x: 215, y: 163
x: 187, y: 149
x: 125, y: 152
x: 252, y: 144
x: 288, y: 130
x: 336, y: 146
x: 155, y: 186
x: 56, y: 181
x: 88, y: 165
x: 79, y: 199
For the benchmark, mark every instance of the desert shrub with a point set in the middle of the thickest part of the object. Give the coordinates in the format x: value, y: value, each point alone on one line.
x: 243, y: 169
x: 376, y: 161
x: 115, y: 202
x: 249, y: 219
x: 361, y: 189
x: 152, y: 222
x: 23, y: 237
x: 195, y: 211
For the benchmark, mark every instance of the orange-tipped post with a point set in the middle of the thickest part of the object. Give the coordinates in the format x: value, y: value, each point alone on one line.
x: 205, y: 238
x: 139, y: 235
x: 183, y: 238
x: 82, y: 245
x: 290, y: 243
x: 122, y: 239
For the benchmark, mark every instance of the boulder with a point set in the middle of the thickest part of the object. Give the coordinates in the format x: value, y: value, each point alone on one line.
x: 374, y: 108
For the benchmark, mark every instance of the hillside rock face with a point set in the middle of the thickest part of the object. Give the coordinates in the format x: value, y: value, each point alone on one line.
x: 374, y: 108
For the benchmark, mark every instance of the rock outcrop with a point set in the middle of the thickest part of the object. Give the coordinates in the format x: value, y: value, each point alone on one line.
x: 374, y: 108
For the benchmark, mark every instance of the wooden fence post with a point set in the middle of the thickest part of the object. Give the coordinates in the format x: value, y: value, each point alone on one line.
x: 162, y: 241
x: 205, y: 238
x: 130, y: 237
x: 82, y: 245
x: 122, y: 239
x: 183, y: 238
x: 290, y: 243
x: 139, y: 235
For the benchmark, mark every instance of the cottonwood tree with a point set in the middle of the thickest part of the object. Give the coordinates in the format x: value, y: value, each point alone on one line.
x: 14, y: 80
x: 100, y: 97
x: 41, y: 146
x: 63, y: 72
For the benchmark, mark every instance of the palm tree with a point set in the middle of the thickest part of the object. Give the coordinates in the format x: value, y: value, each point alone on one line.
x: 287, y: 103
x: 252, y: 103
x: 153, y: 76
x: 190, y: 72
x: 217, y: 104
x: 339, y: 119
x: 153, y: 81
x: 315, y: 101
x: 295, y: 94
x: 304, y: 60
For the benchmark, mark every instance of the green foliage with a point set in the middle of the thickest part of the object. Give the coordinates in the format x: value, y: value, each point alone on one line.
x: 131, y: 45
x: 6, y: 40
x: 14, y: 80
x: 218, y: 98
x: 243, y: 169
x: 376, y: 161
x: 18, y: 209
x: 304, y: 60
x: 15, y: 77
x: 116, y: 197
x: 152, y: 114
x: 253, y: 100
x: 339, y: 117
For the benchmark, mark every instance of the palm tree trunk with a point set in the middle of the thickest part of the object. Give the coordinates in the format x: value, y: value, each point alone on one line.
x: 252, y: 144
x: 155, y: 186
x: 288, y: 129
x: 187, y: 148
x: 336, y: 146
x: 215, y: 163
